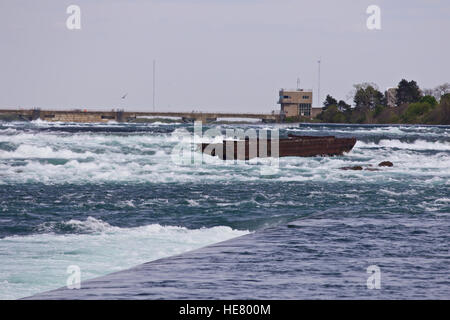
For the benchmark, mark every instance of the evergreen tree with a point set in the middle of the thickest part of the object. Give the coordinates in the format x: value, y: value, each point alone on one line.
x: 343, y: 106
x: 408, y: 92
x: 329, y: 101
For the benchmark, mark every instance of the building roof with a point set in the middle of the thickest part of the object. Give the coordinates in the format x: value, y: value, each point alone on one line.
x: 296, y: 90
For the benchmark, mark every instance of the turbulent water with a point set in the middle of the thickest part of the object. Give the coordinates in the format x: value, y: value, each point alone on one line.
x: 106, y: 197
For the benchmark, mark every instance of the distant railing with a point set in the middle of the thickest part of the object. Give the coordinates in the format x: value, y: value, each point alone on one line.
x: 96, y: 109
x: 300, y: 90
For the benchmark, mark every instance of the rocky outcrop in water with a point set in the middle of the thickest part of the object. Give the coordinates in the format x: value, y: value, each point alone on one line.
x: 356, y: 168
x: 369, y: 167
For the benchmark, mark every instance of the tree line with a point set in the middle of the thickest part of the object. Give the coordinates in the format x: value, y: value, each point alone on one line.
x: 405, y: 104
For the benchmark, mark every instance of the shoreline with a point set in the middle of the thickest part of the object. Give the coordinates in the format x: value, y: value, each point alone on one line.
x: 172, y: 121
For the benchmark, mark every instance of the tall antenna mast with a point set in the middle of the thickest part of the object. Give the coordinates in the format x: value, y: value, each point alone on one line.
x: 318, y: 92
x: 154, y: 70
x: 298, y: 83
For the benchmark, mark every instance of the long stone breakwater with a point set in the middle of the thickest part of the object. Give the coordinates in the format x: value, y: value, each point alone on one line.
x: 125, y: 116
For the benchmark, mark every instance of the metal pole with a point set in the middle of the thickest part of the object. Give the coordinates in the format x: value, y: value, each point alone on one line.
x: 318, y: 93
x: 154, y: 70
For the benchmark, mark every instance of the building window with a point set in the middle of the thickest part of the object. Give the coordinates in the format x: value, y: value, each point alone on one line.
x: 305, y: 97
x: 286, y: 97
x: 305, y: 109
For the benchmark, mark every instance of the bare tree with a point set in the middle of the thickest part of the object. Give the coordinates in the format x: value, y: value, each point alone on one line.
x: 440, y: 90
x: 428, y: 92
x: 358, y: 86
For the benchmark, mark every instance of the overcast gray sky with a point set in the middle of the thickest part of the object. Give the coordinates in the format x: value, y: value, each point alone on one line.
x: 213, y: 55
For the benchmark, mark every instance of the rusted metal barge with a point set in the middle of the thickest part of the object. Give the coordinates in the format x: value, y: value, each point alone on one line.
x: 293, y: 146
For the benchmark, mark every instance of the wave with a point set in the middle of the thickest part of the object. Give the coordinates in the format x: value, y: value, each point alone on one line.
x: 442, y: 200
x: 397, y: 144
x: 373, y: 130
x: 57, y: 158
x: 38, y: 262
x: 90, y: 225
x: 31, y: 151
x: 158, y: 167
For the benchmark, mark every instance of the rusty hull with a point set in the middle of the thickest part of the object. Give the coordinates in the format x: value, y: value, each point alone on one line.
x: 293, y: 146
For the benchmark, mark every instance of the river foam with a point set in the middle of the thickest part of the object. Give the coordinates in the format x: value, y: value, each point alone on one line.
x: 38, y: 262
x: 55, y: 157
